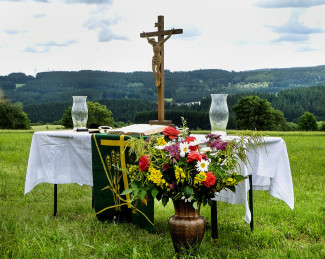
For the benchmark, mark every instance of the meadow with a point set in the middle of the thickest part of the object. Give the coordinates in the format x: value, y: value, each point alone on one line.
x: 29, y: 230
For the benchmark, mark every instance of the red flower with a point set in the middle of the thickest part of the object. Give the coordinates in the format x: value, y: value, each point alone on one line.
x: 144, y: 163
x: 189, y: 139
x: 193, y: 148
x: 211, y: 179
x: 194, y: 155
x: 171, y: 132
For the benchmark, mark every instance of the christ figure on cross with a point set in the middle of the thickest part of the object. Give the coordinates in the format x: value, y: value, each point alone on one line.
x: 157, y: 58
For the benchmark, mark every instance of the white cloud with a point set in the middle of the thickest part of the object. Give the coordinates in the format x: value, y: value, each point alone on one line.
x: 288, y: 3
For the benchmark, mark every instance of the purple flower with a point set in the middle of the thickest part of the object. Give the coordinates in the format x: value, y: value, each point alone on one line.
x: 219, y: 144
x: 211, y: 137
x: 215, y: 143
x: 173, y: 150
x: 204, y: 157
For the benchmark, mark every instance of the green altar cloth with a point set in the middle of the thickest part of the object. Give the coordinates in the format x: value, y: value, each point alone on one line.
x: 110, y: 179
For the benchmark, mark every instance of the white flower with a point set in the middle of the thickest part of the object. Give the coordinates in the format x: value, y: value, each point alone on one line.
x: 160, y: 147
x: 205, y: 149
x: 202, y: 166
x: 184, y: 148
x: 195, y: 143
x: 224, y: 162
x: 186, y: 200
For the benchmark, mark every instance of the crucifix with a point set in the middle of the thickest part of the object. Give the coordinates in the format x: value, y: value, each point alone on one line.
x: 158, y: 64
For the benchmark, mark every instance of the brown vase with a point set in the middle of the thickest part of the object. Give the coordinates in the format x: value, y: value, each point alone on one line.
x: 187, y: 226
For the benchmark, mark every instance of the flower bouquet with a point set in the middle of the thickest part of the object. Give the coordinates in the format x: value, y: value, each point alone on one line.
x: 175, y: 165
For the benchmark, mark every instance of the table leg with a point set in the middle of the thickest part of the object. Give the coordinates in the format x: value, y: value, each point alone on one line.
x: 251, y: 201
x: 214, y: 220
x: 55, y: 198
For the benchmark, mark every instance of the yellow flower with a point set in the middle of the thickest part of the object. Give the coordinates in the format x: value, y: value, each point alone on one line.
x: 230, y: 182
x: 179, y: 175
x: 161, y: 141
x: 133, y: 169
x: 200, y: 178
x: 155, y: 176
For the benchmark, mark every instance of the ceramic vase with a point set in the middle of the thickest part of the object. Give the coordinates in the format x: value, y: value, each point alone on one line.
x: 187, y: 226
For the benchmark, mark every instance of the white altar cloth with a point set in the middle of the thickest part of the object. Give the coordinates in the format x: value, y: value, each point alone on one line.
x: 60, y: 157
x: 270, y: 170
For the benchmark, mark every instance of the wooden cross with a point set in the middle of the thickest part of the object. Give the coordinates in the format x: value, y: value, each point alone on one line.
x: 160, y: 82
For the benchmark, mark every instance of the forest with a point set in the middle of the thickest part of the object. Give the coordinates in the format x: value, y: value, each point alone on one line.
x: 181, y: 87
x: 292, y: 102
x: 131, y: 95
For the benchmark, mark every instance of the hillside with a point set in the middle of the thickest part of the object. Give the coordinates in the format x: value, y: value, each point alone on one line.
x: 48, y: 87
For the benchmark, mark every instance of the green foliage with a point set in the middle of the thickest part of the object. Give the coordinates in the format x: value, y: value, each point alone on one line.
x: 307, y: 122
x: 322, y: 126
x: 97, y: 114
x: 254, y: 113
x: 291, y: 126
x: 12, y: 116
x: 194, y: 118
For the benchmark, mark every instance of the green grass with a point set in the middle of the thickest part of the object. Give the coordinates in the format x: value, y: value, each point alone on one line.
x: 28, y: 229
x: 47, y: 127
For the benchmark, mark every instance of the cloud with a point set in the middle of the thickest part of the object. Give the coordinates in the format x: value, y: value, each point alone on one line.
x: 306, y: 49
x: 46, y: 46
x: 14, y: 31
x: 288, y: 3
x: 103, y: 26
x: 55, y: 44
x: 37, y: 49
x: 294, y: 30
x: 294, y: 26
x: 39, y: 15
x: 293, y: 38
x: 106, y: 35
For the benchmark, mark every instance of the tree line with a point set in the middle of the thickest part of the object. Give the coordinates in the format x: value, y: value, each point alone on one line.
x: 293, y: 103
x: 181, y: 87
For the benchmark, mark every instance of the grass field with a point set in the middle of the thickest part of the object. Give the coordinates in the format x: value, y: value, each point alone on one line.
x: 28, y: 229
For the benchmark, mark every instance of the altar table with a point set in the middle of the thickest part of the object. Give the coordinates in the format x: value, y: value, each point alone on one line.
x: 60, y: 157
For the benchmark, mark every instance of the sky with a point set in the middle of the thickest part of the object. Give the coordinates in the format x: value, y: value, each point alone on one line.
x: 234, y: 35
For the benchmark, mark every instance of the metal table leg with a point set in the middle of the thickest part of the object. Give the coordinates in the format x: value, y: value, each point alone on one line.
x: 55, y: 199
x: 251, y: 201
x: 214, y: 220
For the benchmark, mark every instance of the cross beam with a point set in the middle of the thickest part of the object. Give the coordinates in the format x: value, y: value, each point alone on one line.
x: 160, y: 81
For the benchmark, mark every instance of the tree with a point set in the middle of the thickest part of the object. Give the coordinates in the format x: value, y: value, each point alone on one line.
x: 97, y: 113
x: 322, y: 126
x: 307, y: 122
x: 12, y: 116
x: 253, y: 113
